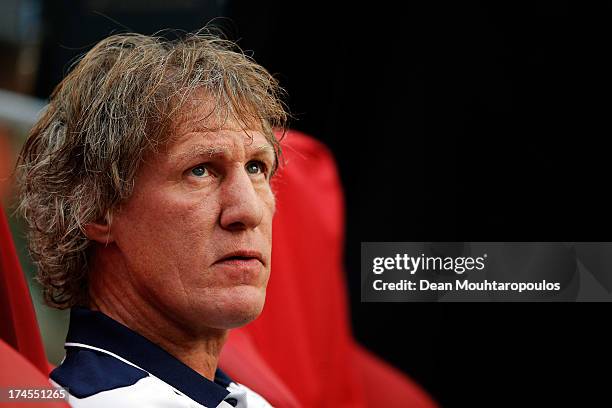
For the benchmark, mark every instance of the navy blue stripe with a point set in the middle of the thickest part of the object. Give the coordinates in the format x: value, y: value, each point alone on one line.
x: 85, y: 373
x: 222, y: 378
x: 98, y: 330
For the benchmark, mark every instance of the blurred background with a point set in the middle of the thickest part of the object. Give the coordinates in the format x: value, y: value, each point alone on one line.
x: 449, y: 122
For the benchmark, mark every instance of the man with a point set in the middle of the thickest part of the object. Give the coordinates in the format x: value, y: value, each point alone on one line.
x: 146, y: 188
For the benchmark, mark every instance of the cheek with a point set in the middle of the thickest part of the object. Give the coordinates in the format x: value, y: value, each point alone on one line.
x: 161, y: 235
x: 268, y: 200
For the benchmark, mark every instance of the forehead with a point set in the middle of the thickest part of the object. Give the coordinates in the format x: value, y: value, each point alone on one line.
x: 226, y: 139
x: 200, y: 121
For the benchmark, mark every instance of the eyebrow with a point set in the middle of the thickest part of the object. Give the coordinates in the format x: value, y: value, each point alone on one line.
x: 212, y: 151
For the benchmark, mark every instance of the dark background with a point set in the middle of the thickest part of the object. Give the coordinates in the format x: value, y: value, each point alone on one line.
x: 450, y: 122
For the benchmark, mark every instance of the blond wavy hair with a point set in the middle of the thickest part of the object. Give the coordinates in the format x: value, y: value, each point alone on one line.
x: 119, y: 102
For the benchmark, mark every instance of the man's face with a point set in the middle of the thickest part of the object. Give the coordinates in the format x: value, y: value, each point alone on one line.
x: 196, y: 234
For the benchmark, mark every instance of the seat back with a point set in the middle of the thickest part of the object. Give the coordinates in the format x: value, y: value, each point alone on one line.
x: 23, y: 363
x: 18, y: 325
x: 17, y: 372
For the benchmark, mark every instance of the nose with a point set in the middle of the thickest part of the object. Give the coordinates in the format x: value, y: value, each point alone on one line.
x: 241, y: 205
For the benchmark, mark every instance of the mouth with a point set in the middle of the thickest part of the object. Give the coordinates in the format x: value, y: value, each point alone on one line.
x: 241, y: 257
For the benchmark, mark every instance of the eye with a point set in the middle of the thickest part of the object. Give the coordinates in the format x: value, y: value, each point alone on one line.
x: 200, y: 171
x: 256, y: 167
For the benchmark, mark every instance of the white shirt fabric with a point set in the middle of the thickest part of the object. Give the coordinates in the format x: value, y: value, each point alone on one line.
x: 107, y: 365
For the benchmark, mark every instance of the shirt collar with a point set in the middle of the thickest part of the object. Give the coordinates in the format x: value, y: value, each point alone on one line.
x: 96, y: 329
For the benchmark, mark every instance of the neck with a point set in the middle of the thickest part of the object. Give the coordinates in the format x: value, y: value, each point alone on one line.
x: 109, y: 294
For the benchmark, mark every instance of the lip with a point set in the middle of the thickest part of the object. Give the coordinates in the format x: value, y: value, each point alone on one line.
x: 241, y: 257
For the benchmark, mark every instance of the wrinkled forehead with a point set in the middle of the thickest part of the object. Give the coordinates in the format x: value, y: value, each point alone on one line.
x: 211, y: 121
x: 217, y: 138
x: 202, y: 114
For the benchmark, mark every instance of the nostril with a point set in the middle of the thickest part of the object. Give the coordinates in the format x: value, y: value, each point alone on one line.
x: 236, y: 226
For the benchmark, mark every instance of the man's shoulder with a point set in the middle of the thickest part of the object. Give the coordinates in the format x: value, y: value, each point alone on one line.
x: 98, y: 379
x: 85, y: 372
x: 95, y: 379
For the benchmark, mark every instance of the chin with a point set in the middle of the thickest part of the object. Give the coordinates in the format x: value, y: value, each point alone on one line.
x: 245, y: 305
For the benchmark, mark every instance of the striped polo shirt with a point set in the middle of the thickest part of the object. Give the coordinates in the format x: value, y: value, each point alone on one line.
x: 108, y: 365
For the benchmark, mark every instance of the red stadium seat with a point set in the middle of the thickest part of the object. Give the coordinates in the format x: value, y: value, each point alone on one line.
x: 18, y: 326
x: 17, y: 372
x: 22, y: 356
x: 303, y: 334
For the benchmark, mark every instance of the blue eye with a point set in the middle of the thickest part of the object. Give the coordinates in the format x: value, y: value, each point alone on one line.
x: 255, y: 167
x: 199, y: 171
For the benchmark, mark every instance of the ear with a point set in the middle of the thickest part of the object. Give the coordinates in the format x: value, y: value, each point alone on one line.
x: 100, y: 231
